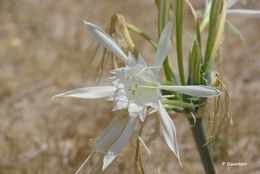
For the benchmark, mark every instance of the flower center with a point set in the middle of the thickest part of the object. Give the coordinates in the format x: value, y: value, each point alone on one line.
x: 136, y: 84
x: 132, y: 89
x: 132, y: 85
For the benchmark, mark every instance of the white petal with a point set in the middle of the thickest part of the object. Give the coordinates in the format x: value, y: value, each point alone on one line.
x: 245, y: 13
x: 194, y: 90
x: 120, y: 105
x: 105, y: 40
x: 130, y: 60
x: 120, y: 142
x: 164, y: 45
x: 168, y: 130
x: 93, y: 92
x: 111, y: 134
x: 135, y: 110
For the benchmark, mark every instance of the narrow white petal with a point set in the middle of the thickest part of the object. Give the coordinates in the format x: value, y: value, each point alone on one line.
x: 130, y: 60
x: 93, y: 92
x: 120, y: 142
x: 194, y: 90
x: 245, y: 13
x: 168, y: 130
x: 104, y: 39
x: 111, y: 134
x: 164, y: 45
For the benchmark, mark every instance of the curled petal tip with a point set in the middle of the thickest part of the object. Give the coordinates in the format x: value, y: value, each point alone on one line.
x: 55, y: 96
x: 86, y: 22
x: 106, y: 40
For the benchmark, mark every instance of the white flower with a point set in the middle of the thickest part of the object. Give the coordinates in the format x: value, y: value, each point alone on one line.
x: 135, y: 87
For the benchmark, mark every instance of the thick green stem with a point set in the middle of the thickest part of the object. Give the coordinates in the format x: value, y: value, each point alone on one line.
x: 202, y: 146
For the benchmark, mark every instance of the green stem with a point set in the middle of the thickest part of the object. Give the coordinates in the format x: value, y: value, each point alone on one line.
x: 202, y: 146
x: 136, y: 30
x: 212, y: 33
x: 168, y: 71
x: 179, y: 27
x: 178, y: 103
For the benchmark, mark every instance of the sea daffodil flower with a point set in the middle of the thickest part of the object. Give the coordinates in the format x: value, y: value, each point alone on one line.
x: 135, y: 87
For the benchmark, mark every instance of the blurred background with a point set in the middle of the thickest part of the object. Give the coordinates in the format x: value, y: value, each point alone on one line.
x: 43, y: 51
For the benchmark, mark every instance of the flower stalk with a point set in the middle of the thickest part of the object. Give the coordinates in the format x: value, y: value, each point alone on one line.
x: 200, y: 138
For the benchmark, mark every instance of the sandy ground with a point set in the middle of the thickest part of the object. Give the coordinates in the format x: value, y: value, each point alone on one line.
x: 43, y: 51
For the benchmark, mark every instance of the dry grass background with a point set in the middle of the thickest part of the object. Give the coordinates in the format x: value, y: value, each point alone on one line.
x: 43, y: 51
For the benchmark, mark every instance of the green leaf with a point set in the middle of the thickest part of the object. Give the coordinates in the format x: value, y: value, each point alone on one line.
x: 195, y: 63
x: 179, y: 28
x: 195, y: 52
x: 216, y: 29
